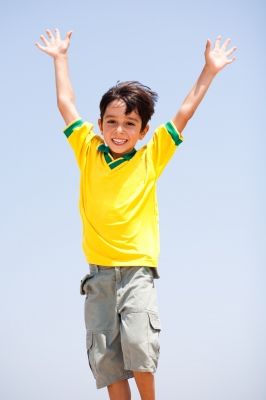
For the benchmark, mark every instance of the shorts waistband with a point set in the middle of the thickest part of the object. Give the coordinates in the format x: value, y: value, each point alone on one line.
x: 94, y: 269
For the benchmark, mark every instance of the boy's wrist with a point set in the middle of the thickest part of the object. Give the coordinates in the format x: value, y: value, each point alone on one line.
x: 61, y: 56
x: 209, y: 71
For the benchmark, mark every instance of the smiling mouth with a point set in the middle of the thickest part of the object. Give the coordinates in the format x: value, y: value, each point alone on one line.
x: 119, y: 142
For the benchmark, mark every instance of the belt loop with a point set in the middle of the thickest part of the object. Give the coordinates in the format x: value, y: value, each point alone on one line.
x: 94, y: 269
x: 118, y: 274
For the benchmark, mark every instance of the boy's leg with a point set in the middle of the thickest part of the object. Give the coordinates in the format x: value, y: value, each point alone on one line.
x: 119, y: 390
x: 140, y: 327
x: 103, y: 328
x: 144, y: 381
x: 145, y: 384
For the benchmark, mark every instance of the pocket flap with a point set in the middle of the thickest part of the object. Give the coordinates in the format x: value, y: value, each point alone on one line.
x: 83, y: 282
x: 155, y: 321
x: 89, y: 339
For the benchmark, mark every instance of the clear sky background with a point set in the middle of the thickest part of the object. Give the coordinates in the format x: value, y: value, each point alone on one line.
x: 211, y: 196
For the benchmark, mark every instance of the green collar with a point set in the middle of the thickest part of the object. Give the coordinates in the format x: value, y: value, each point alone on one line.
x: 114, y: 163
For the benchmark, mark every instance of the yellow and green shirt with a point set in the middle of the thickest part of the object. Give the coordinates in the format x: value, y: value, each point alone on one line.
x: 118, y: 202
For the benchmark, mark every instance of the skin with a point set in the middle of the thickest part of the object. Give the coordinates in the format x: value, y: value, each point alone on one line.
x: 145, y: 384
x: 121, y: 132
x: 216, y: 59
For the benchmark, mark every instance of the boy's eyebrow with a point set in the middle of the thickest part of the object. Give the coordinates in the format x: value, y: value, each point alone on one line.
x: 133, y: 119
x: 109, y: 116
x: 114, y: 116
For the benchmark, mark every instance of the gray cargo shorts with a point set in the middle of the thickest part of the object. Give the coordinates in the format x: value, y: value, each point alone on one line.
x: 122, y: 322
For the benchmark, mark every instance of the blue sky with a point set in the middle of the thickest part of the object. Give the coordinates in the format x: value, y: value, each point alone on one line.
x: 211, y: 196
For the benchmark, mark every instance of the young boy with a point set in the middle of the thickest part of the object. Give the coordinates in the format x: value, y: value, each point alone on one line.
x: 119, y: 212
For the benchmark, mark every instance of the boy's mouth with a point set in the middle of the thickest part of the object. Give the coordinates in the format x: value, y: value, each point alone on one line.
x: 119, y: 142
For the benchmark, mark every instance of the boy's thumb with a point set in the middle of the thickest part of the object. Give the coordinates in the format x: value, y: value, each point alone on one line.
x: 208, y: 44
x: 69, y: 34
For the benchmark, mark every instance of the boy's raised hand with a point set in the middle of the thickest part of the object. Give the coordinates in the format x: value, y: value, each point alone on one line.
x: 57, y: 48
x: 54, y: 45
x: 218, y: 57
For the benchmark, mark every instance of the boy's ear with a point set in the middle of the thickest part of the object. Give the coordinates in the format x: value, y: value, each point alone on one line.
x: 144, y: 132
x: 100, y: 124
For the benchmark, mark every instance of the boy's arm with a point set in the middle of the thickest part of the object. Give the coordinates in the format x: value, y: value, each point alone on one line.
x: 57, y: 48
x: 215, y: 60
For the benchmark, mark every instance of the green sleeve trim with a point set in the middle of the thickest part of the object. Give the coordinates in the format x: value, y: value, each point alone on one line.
x: 70, y: 128
x: 176, y: 136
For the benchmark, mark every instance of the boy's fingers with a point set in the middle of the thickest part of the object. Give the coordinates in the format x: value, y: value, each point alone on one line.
x: 229, y: 52
x: 208, y: 44
x: 49, y: 34
x: 69, y: 34
x: 226, y: 43
x: 57, y: 34
x: 218, y: 41
x: 232, y: 60
x: 39, y: 46
x: 45, y: 41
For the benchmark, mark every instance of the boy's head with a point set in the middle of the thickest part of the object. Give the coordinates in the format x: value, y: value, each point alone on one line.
x: 125, y: 111
x: 137, y: 97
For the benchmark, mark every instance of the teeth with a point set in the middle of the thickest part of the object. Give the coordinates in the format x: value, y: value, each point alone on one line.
x: 119, y: 141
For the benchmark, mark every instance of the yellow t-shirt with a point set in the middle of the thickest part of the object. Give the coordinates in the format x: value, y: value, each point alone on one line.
x: 118, y: 202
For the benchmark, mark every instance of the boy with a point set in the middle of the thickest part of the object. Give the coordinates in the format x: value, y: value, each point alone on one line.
x: 118, y: 207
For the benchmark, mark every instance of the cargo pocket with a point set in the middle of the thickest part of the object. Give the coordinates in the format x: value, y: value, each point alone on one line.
x: 154, y: 331
x: 154, y: 321
x: 89, y: 345
x: 83, y: 289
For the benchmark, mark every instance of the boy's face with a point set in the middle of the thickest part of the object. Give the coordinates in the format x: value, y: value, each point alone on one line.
x: 121, y: 131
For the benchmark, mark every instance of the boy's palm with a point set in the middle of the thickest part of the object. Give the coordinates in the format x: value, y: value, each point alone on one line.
x: 218, y: 57
x: 54, y: 46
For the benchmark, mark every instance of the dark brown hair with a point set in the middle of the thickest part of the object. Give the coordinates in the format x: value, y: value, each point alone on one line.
x: 137, y: 97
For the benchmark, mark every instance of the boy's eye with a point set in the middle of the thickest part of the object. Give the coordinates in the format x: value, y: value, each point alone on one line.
x: 131, y: 123
x: 111, y: 121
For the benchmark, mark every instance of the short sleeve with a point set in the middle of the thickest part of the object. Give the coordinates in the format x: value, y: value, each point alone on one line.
x: 163, y: 145
x: 79, y: 134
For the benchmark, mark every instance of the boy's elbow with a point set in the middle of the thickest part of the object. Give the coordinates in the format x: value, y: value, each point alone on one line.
x: 186, y: 112
x: 68, y: 111
x: 63, y: 102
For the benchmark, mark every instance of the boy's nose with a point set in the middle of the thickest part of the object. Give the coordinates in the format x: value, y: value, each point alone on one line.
x: 119, y: 129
